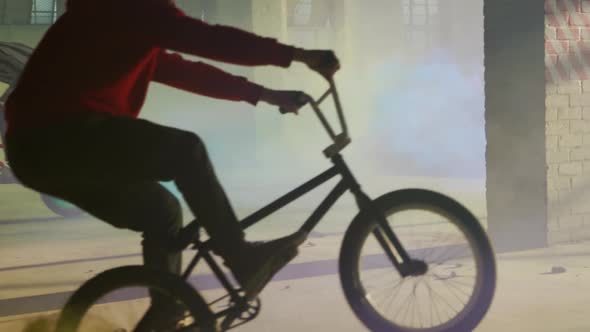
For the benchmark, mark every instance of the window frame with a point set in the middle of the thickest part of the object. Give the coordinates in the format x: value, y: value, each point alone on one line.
x: 48, y: 17
x: 429, y: 13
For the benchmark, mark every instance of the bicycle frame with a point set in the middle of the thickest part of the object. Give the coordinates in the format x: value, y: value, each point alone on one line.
x: 384, y: 233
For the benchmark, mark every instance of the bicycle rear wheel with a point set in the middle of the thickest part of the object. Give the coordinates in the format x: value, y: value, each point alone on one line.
x: 120, y: 297
x: 453, y: 294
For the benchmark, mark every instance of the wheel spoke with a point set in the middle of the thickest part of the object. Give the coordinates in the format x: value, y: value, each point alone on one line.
x: 444, y: 300
x: 460, y: 248
x: 433, y: 296
x: 384, y: 293
x: 457, y: 289
x: 423, y: 302
x: 432, y: 304
x: 459, y: 283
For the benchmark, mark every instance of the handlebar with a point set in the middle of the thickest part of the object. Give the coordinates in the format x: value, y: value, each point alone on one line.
x: 340, y: 140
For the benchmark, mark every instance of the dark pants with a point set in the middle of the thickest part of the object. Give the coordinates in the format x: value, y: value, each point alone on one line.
x: 2, y: 123
x: 111, y: 166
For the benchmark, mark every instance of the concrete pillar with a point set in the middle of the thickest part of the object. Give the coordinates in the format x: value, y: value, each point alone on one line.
x: 3, y: 11
x: 15, y: 19
x: 61, y: 7
x: 17, y: 11
x: 515, y: 123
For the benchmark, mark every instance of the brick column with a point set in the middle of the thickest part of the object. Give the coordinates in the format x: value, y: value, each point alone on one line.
x: 567, y: 60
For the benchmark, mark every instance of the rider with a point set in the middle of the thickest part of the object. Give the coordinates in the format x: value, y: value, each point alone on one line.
x: 74, y: 111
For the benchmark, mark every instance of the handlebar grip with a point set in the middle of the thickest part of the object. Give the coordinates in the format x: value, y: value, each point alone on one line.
x: 301, y: 99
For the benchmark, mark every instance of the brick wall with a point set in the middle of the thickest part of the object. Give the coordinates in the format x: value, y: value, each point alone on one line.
x: 567, y: 58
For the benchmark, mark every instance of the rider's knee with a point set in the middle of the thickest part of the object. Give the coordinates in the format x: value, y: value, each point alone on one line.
x: 192, y: 155
x: 193, y: 145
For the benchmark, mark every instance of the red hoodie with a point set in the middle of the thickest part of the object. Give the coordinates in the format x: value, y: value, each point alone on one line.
x: 101, y: 55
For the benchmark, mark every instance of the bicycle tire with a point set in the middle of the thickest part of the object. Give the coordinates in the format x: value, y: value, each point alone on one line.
x: 361, y: 228
x: 92, y: 290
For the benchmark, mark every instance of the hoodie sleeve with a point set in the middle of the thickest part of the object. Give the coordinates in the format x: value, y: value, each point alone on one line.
x: 204, y: 79
x: 170, y: 28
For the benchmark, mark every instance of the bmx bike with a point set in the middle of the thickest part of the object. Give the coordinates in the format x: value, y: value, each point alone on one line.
x: 411, y: 260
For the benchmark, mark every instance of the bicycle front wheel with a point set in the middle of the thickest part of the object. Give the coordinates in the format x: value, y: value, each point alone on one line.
x: 456, y: 286
x: 120, y: 299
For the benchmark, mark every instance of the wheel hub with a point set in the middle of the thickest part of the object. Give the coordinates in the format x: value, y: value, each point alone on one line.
x: 414, y: 268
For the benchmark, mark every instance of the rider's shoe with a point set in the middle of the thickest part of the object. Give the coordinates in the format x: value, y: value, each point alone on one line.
x: 257, y: 262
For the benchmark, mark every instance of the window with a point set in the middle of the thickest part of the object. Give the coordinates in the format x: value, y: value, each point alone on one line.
x: 310, y: 14
x: 300, y: 13
x: 421, y: 21
x: 309, y: 22
x: 201, y: 9
x: 44, y: 11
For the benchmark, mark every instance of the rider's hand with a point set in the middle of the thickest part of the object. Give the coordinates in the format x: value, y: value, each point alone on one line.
x: 322, y: 61
x: 287, y: 101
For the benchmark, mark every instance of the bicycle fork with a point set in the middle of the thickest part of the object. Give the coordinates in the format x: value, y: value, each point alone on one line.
x: 392, y: 246
x: 389, y: 242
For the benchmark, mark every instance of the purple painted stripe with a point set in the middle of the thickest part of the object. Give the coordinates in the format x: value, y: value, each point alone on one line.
x: 26, y: 221
x: 81, y: 260
x: 54, y: 301
x: 47, y: 302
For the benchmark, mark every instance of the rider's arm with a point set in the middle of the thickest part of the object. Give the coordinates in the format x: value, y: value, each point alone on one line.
x: 171, y: 29
x: 204, y: 79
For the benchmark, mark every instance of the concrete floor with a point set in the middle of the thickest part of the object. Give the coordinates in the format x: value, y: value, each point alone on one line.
x: 44, y: 257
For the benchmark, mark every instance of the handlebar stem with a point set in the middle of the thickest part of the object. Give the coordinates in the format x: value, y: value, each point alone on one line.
x: 340, y: 140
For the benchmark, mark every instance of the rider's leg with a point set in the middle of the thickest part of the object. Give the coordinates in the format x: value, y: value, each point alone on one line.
x: 198, y: 183
x: 128, y: 151
x: 253, y: 265
x: 148, y: 208
x: 144, y: 206
x: 124, y: 150
x: 2, y: 122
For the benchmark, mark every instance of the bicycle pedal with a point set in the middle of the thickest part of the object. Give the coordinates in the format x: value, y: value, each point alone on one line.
x: 241, y: 314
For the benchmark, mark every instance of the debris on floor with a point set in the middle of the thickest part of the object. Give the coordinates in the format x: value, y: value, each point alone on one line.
x: 556, y: 270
